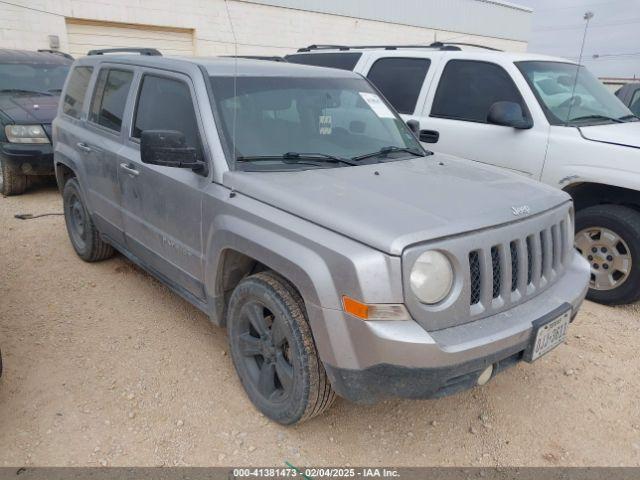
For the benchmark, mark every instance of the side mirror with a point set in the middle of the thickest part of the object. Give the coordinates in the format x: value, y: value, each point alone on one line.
x: 414, y: 126
x: 168, y: 148
x: 508, y: 114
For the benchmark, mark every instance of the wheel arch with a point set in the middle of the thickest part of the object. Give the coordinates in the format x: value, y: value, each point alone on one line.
x: 589, y: 194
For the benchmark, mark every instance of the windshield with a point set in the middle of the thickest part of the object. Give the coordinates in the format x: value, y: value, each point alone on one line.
x: 38, y: 78
x: 587, y: 103
x: 306, y: 119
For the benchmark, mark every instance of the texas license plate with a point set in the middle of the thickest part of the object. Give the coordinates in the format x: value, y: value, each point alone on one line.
x: 548, y: 334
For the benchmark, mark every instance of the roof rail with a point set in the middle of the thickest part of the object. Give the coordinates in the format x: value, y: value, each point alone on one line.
x: 258, y: 57
x: 56, y: 52
x: 462, y: 44
x: 151, y: 52
x: 385, y: 47
x: 435, y: 45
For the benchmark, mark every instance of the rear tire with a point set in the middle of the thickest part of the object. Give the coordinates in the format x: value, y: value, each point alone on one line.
x: 12, y: 180
x: 608, y: 236
x: 83, y: 234
x: 273, y: 350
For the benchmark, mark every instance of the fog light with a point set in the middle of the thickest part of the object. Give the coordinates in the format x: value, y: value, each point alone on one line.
x: 485, y: 376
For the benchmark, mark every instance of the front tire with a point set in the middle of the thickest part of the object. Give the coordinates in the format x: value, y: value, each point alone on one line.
x: 608, y: 236
x: 83, y: 234
x: 273, y: 350
x: 12, y: 180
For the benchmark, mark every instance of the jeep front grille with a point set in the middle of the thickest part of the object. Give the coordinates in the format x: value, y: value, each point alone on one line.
x: 518, y: 267
x: 496, y: 268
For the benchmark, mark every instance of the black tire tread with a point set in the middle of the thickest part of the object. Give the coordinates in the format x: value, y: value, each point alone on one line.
x: 630, y: 218
x: 14, y: 181
x: 98, y: 249
x: 321, y: 395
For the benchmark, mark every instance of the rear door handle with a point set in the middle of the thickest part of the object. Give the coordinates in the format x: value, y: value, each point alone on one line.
x: 429, y: 136
x: 84, y: 147
x: 129, y: 170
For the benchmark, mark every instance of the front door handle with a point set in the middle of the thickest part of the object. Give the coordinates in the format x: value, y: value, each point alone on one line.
x: 84, y: 147
x: 429, y: 136
x: 129, y: 170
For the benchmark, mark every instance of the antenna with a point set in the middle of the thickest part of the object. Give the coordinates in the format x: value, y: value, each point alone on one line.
x: 588, y: 15
x: 235, y: 85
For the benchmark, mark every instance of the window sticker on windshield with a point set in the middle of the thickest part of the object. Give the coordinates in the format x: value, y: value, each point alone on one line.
x: 325, y: 124
x: 377, y: 105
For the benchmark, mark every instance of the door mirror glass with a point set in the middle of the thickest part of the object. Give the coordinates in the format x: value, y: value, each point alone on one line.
x: 168, y: 148
x: 414, y: 126
x: 508, y: 114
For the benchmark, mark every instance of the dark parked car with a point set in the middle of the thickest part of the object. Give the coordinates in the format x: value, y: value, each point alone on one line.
x: 630, y: 96
x: 30, y: 86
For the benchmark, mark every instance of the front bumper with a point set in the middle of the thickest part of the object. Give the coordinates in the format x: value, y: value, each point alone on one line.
x: 30, y: 159
x: 367, y: 361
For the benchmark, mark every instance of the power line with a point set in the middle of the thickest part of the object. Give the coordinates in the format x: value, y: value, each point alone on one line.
x: 31, y: 8
x: 576, y: 27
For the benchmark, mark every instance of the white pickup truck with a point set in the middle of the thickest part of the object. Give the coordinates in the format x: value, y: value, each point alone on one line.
x: 542, y: 117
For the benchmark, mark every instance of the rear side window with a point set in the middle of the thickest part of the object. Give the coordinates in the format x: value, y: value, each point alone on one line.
x: 343, y: 61
x: 110, y: 98
x: 76, y: 90
x: 468, y: 88
x: 165, y: 104
x: 400, y: 80
x: 634, y: 105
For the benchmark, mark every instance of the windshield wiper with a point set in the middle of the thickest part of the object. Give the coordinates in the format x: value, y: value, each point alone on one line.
x: 384, y: 151
x: 596, y: 117
x: 295, y: 157
x: 22, y: 90
x: 631, y: 116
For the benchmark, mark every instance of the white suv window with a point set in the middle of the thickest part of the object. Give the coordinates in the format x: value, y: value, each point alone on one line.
x: 400, y: 80
x: 468, y: 88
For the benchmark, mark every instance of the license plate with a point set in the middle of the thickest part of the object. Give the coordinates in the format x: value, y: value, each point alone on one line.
x: 548, y: 333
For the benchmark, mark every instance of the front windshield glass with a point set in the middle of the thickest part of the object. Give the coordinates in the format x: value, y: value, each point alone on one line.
x: 300, y: 118
x: 36, y: 78
x: 587, y: 103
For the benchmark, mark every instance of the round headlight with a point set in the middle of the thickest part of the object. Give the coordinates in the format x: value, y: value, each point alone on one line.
x: 431, y: 277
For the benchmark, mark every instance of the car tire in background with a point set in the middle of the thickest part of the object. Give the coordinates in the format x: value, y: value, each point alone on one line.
x: 83, y: 234
x: 608, y: 236
x: 12, y: 180
x: 273, y: 350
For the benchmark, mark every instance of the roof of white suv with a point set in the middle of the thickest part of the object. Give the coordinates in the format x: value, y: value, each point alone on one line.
x: 476, y: 53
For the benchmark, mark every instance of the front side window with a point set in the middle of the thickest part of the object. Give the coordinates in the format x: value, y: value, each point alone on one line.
x: 468, y: 89
x: 110, y: 98
x: 400, y: 80
x: 41, y: 79
x: 342, y: 61
x: 76, y: 91
x: 570, y: 95
x: 166, y: 104
x: 306, y: 118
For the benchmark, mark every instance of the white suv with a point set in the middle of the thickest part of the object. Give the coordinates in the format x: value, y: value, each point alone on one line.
x: 539, y: 116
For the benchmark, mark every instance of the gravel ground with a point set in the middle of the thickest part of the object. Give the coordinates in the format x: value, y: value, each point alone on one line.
x: 105, y: 366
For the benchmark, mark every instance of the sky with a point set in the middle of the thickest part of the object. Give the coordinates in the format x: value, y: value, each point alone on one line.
x: 613, y: 34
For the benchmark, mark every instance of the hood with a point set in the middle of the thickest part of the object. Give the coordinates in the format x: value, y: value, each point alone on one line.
x: 25, y: 109
x: 625, y: 134
x: 406, y: 202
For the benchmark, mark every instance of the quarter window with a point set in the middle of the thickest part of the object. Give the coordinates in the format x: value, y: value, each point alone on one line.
x: 400, y: 80
x: 76, y: 90
x: 467, y: 89
x: 165, y: 104
x: 634, y: 105
x: 110, y: 98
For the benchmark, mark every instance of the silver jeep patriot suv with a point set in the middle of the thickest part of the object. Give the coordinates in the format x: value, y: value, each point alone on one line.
x: 294, y: 206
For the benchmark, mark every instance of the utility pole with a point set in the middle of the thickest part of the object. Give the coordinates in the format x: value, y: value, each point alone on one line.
x: 588, y: 15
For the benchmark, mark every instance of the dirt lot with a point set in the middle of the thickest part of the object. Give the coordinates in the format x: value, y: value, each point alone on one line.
x: 104, y: 366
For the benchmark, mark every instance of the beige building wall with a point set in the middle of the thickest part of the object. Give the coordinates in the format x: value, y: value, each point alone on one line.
x: 215, y: 26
